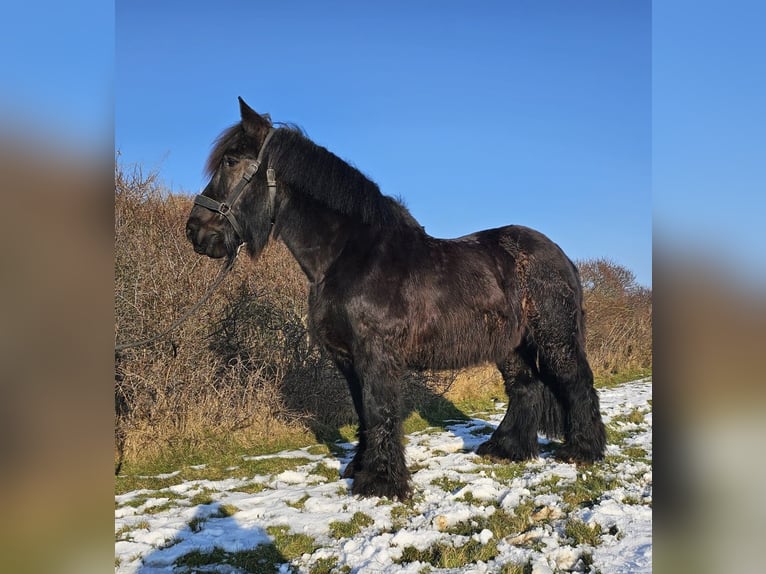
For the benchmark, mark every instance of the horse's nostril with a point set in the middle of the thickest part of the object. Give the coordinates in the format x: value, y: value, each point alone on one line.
x: 191, y: 229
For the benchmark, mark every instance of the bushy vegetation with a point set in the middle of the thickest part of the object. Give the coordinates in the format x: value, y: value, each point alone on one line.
x: 618, y: 319
x: 242, y: 372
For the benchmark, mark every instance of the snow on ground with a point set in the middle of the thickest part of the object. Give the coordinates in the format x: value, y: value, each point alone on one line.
x: 452, y: 486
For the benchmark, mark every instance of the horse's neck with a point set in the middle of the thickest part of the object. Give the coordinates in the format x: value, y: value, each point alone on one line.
x: 314, y: 235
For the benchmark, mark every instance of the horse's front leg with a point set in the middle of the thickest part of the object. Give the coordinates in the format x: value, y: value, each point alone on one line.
x: 383, y: 470
x: 346, y: 367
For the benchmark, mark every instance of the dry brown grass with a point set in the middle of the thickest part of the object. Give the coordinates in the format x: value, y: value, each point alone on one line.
x: 242, y: 372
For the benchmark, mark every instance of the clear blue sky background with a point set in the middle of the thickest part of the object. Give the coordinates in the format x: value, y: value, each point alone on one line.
x: 477, y: 114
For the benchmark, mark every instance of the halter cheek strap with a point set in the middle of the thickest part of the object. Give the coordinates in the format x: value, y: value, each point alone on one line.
x: 224, y: 207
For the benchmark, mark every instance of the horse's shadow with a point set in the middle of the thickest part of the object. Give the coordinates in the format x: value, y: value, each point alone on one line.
x: 331, y: 421
x: 211, y: 537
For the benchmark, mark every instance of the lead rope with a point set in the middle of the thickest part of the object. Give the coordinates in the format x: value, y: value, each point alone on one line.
x: 224, y: 271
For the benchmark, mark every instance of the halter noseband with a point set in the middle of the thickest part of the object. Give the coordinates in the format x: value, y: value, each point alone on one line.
x: 224, y: 207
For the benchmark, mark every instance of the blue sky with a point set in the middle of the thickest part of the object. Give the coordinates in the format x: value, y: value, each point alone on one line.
x: 477, y: 114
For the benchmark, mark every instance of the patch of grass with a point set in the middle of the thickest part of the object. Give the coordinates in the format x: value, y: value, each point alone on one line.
x: 326, y: 471
x: 440, y: 411
x: 636, y: 453
x: 636, y: 416
x: 550, y: 484
x: 400, y: 516
x: 342, y: 490
x: 450, y: 485
x: 467, y: 497
x: 202, y: 498
x: 143, y: 498
x: 272, y: 465
x: 348, y: 432
x: 512, y: 568
x: 224, y: 511
x: 251, y: 488
x: 299, y: 504
x: 222, y: 460
x: 123, y: 533
x: 445, y: 555
x: 485, y: 403
x: 327, y: 566
x: 291, y: 545
x: 586, y: 491
x: 221, y: 469
x: 169, y: 543
x: 157, y: 508
x: 581, y: 533
x: 610, y: 380
x: 319, y: 449
x: 196, y: 523
x: 615, y: 435
x: 263, y: 559
x: 348, y: 529
x: 501, y: 524
x: 415, y: 423
x: 477, y: 390
x: 140, y: 480
x: 505, y: 472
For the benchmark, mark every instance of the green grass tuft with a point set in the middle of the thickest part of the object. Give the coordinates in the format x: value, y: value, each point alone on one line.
x: 299, y: 504
x: 586, y: 491
x: 351, y: 528
x: 291, y: 545
x: 327, y: 472
x: 263, y: 559
x: 449, y: 485
x: 327, y: 566
x: 581, y: 533
x: 220, y: 459
x: 611, y: 380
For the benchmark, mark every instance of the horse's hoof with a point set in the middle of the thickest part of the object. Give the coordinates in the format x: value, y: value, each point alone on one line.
x: 577, y: 456
x: 499, y: 453
x: 364, y: 485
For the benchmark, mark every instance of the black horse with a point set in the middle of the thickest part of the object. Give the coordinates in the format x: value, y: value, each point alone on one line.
x: 385, y: 296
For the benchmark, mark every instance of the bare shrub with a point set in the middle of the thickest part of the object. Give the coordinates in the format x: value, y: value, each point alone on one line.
x: 618, y: 318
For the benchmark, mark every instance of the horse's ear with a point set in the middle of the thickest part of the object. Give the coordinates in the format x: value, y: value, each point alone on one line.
x: 252, y: 121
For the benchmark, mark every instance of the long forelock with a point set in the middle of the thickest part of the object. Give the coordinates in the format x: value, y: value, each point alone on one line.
x: 230, y: 139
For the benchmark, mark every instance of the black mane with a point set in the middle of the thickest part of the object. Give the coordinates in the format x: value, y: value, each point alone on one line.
x: 311, y: 169
x: 315, y: 171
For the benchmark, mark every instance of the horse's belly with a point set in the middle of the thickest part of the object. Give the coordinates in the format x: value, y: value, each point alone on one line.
x: 455, y: 341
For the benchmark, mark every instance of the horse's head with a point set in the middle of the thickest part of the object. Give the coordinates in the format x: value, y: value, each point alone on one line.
x: 237, y: 206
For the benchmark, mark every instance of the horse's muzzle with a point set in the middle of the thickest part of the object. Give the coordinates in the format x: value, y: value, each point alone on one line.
x: 205, y: 242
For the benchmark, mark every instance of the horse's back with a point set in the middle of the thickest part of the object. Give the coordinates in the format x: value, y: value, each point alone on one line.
x: 523, y: 253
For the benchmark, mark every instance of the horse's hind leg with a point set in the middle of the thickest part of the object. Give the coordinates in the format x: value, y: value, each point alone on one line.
x: 565, y: 369
x: 516, y: 436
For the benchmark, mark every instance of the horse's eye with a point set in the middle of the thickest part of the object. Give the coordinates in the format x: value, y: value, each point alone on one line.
x: 230, y: 161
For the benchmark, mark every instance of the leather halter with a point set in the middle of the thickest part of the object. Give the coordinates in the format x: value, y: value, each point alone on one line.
x: 225, y: 207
